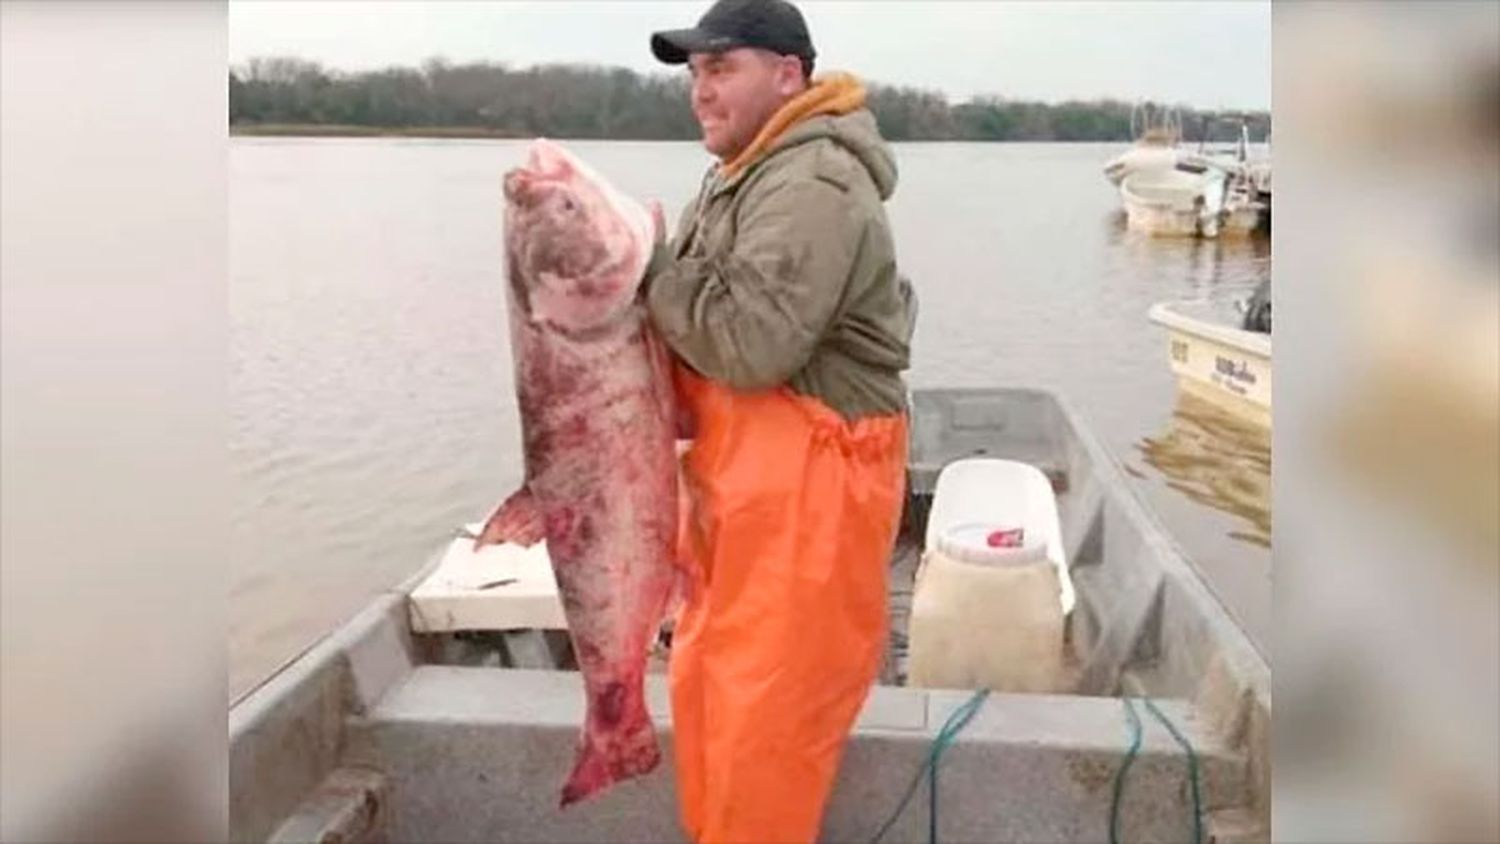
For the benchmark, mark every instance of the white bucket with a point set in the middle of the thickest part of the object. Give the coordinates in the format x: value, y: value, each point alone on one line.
x: 976, y: 542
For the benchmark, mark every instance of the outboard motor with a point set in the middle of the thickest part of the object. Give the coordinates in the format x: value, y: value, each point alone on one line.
x: 1258, y: 310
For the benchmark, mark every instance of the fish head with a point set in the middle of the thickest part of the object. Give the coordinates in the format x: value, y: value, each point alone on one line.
x: 578, y: 247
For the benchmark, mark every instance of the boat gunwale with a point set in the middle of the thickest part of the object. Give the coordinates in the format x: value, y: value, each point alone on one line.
x: 1170, y: 316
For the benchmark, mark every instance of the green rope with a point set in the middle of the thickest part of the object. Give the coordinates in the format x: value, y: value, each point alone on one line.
x: 955, y: 723
x: 951, y: 728
x: 1130, y: 754
x: 1135, y: 746
x: 1192, y: 759
x: 905, y: 799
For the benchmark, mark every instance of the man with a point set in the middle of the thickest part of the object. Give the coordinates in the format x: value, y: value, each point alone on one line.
x: 781, y: 299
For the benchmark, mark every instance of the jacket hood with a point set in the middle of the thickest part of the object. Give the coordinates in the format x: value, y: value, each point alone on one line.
x: 858, y: 133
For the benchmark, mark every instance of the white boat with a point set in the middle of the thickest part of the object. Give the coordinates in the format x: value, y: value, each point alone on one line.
x: 1245, y: 209
x: 1247, y: 184
x: 1216, y: 360
x: 1173, y: 202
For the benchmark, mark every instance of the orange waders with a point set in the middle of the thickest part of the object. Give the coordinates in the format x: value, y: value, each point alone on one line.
x: 793, y: 517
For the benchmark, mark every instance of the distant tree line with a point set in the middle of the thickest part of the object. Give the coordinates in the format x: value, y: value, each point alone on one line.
x: 580, y: 101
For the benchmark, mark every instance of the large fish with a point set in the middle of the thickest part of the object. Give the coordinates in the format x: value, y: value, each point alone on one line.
x: 598, y: 426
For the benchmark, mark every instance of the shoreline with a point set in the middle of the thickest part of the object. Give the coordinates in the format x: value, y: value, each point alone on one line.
x: 338, y: 130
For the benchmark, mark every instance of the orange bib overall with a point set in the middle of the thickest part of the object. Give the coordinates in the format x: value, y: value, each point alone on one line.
x: 788, y: 535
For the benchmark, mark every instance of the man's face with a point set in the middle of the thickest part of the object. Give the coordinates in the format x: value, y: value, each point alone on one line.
x: 736, y: 92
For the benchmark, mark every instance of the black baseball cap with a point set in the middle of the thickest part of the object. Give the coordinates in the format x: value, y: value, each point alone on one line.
x: 774, y: 25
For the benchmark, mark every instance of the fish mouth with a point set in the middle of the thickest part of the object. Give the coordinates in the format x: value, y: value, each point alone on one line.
x: 547, y: 160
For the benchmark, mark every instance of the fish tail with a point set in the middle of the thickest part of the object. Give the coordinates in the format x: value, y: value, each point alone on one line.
x: 618, y: 742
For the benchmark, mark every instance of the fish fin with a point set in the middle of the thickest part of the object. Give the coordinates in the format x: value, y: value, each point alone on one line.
x: 661, y: 372
x: 612, y: 752
x: 518, y: 519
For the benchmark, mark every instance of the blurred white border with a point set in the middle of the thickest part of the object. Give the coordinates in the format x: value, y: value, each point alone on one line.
x: 112, y: 324
x: 1386, y: 492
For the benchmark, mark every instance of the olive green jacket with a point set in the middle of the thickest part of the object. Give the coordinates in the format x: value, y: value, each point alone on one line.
x: 785, y: 272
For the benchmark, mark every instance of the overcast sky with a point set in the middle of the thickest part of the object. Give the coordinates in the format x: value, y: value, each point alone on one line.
x: 1205, y: 53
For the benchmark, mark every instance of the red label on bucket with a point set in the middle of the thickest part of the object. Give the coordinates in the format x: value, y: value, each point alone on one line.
x: 1013, y: 538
